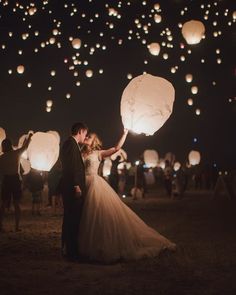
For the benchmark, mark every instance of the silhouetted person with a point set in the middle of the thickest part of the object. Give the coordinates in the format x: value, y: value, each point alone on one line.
x: 114, y: 175
x: 11, y: 181
x: 168, y: 173
x: 35, y: 185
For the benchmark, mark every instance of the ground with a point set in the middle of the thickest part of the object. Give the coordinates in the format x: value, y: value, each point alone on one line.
x: 204, y: 262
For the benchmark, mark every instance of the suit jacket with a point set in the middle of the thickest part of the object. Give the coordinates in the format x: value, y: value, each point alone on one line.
x: 73, y: 170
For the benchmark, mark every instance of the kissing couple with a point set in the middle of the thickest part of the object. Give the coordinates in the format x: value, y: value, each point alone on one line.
x: 97, y: 225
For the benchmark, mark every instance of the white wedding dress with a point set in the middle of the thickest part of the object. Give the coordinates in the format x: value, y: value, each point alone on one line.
x: 109, y: 230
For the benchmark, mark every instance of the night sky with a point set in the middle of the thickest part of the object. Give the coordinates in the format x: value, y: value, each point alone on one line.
x: 113, y: 46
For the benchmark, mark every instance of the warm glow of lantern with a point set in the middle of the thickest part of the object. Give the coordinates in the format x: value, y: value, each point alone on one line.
x: 151, y: 158
x: 43, y: 151
x: 147, y: 103
x: 154, y: 48
x: 2, y: 137
x: 20, y: 69
x: 107, y: 167
x: 189, y: 78
x: 177, y: 166
x: 76, y: 43
x: 194, y: 158
x: 194, y: 90
x: 193, y: 31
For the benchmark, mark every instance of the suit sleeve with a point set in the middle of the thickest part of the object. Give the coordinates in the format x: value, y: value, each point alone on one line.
x: 73, y: 159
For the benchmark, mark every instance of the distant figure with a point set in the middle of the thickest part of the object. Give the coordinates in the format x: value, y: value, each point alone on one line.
x: 54, y: 185
x: 35, y: 185
x: 140, y: 183
x: 114, y: 175
x: 168, y: 173
x: 11, y: 181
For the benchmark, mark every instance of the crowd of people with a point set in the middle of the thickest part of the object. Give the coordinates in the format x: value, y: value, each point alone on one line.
x: 134, y: 181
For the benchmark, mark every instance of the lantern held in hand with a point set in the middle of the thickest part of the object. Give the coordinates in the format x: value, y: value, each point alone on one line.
x: 43, y: 151
x: 146, y: 104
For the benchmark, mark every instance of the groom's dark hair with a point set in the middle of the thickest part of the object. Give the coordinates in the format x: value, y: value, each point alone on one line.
x: 77, y: 127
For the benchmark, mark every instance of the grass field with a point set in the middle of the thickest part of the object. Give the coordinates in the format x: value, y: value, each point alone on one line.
x: 204, y: 263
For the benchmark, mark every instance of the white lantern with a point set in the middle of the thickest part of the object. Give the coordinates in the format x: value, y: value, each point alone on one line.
x: 56, y: 134
x: 189, y: 78
x: 122, y: 165
x: 146, y: 104
x: 194, y: 158
x: 157, y: 18
x: 151, y: 158
x: 43, y: 151
x: 89, y: 73
x: 121, y: 153
x: 20, y: 69
x: 193, y: 31
x: 154, y: 48
x: 194, y: 90
x: 76, y: 43
x: 2, y: 137
x: 49, y: 103
x: 177, y: 166
x: 107, y: 167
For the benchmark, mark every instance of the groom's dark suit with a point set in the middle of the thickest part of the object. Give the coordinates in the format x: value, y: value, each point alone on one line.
x: 73, y: 174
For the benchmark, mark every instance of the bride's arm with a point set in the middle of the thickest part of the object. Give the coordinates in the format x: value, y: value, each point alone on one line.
x: 111, y: 151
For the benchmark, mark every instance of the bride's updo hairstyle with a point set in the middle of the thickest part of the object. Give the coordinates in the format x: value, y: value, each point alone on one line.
x: 96, y: 144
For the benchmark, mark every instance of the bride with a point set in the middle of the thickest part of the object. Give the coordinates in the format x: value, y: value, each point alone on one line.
x: 110, y: 230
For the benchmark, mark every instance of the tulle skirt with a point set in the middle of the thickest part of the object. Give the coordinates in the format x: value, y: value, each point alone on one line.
x: 111, y: 231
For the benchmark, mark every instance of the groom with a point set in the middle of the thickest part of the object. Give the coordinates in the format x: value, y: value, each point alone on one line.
x: 73, y: 189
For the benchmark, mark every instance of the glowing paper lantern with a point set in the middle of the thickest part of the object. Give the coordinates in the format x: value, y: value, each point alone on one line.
x: 89, y: 73
x: 189, y: 78
x: 121, y: 153
x: 193, y: 31
x: 194, y: 158
x: 154, y: 48
x: 177, y: 166
x: 49, y: 103
x: 2, y: 137
x: 20, y: 69
x: 43, y: 151
x: 157, y: 18
x: 194, y: 90
x: 107, y: 167
x: 146, y: 104
x: 151, y: 158
x: 76, y: 43
x: 56, y: 134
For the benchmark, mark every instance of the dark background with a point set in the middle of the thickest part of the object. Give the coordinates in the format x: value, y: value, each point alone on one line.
x: 97, y: 100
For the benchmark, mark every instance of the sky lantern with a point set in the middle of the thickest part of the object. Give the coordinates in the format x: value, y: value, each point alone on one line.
x: 55, y: 133
x: 89, y: 73
x: 177, y: 166
x: 193, y: 31
x: 43, y: 151
x: 194, y: 158
x: 147, y: 103
x: 76, y: 43
x: 157, y: 18
x: 49, y: 103
x: 2, y: 137
x: 154, y: 48
x: 190, y: 101
x: 189, y: 78
x: 106, y: 170
x: 20, y: 69
x: 194, y: 90
x: 151, y: 158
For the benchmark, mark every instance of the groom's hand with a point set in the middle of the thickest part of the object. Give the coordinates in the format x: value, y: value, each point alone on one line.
x: 78, y: 192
